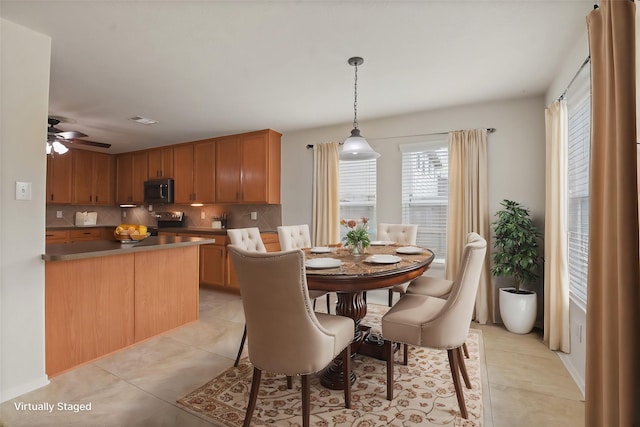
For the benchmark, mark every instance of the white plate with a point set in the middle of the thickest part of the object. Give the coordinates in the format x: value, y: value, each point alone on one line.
x: 323, y: 263
x: 320, y: 250
x: 383, y: 259
x: 382, y: 243
x: 409, y: 250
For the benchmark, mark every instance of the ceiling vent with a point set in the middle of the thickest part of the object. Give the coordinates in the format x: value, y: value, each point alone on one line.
x: 143, y: 120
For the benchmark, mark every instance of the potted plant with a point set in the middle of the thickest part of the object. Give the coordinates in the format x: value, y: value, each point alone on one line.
x: 516, y: 244
x: 357, y: 238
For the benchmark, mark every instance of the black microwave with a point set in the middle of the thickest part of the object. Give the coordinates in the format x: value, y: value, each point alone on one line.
x: 158, y: 191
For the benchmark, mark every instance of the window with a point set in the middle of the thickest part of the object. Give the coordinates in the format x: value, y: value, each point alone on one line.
x: 579, y: 112
x: 425, y: 192
x: 358, y: 192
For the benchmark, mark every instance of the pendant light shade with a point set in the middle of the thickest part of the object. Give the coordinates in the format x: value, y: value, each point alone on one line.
x: 355, y: 147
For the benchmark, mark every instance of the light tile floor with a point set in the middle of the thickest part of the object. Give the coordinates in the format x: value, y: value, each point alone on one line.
x: 524, y: 383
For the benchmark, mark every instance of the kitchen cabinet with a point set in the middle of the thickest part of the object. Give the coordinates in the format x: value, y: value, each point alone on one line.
x: 78, y: 235
x: 194, y: 172
x: 213, y: 264
x: 93, y: 178
x: 160, y: 163
x: 59, y: 178
x: 56, y: 236
x: 248, y: 168
x: 131, y: 173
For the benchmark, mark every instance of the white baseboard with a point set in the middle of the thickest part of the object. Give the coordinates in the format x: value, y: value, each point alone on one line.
x: 13, y: 392
x: 577, y: 376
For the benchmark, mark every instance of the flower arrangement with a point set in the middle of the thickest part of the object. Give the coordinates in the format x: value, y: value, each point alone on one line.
x: 357, y: 237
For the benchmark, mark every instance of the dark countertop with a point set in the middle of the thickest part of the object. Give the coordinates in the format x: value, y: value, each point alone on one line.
x: 206, y: 230
x: 75, y: 227
x: 98, y: 248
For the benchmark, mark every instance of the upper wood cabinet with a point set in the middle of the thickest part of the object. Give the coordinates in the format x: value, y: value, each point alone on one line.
x: 131, y: 173
x: 160, y: 163
x: 93, y: 182
x: 194, y: 172
x: 60, y: 178
x: 248, y: 168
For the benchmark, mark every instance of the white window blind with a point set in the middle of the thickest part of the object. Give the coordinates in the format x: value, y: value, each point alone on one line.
x: 579, y: 108
x: 425, y: 192
x: 358, y: 192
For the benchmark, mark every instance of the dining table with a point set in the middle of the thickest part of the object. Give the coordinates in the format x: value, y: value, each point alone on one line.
x: 384, y: 264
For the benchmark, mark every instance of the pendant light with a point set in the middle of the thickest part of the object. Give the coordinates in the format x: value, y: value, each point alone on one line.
x: 356, y: 147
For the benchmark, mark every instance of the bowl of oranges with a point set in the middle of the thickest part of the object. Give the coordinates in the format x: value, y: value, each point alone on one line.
x: 130, y: 233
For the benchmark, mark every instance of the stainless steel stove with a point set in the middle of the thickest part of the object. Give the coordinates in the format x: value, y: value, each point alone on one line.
x: 171, y: 220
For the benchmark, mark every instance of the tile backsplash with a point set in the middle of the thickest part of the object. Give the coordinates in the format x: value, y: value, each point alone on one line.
x: 268, y: 217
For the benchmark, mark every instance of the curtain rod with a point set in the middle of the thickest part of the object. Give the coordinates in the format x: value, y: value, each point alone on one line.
x: 575, y: 76
x: 489, y: 130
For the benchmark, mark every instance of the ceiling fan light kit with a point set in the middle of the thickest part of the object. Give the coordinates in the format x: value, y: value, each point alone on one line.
x: 355, y: 147
x: 57, y: 138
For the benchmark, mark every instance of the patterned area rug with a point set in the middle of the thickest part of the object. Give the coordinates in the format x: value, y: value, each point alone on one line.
x: 424, y: 394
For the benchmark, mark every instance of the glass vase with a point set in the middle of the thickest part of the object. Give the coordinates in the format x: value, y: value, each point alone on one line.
x: 357, y: 248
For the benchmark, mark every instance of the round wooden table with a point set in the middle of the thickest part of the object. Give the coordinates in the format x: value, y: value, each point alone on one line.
x: 355, y: 275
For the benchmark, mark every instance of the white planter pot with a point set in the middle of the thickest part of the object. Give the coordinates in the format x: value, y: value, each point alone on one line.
x: 518, y: 311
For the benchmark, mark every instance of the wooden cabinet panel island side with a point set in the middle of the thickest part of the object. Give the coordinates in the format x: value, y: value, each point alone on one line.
x: 95, y: 305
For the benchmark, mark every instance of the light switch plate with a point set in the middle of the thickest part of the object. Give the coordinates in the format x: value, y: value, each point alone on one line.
x: 23, y: 190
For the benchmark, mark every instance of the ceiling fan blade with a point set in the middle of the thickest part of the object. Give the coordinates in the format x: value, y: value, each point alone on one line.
x: 71, y: 134
x: 89, y: 143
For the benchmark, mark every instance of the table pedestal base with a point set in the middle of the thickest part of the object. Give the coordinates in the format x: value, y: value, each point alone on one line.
x: 351, y: 304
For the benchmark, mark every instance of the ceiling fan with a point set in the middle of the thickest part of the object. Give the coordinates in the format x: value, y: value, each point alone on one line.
x: 57, y: 139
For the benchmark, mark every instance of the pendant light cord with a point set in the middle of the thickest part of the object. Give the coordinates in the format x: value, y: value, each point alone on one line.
x: 355, y: 99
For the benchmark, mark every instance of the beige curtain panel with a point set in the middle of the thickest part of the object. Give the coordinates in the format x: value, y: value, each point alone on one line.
x: 613, y: 284
x: 468, y: 209
x: 326, y: 194
x: 556, y: 272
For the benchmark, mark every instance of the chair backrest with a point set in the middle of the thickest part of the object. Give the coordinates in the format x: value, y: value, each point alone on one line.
x: 450, y: 327
x: 284, y: 333
x: 247, y: 238
x: 294, y: 237
x: 403, y: 234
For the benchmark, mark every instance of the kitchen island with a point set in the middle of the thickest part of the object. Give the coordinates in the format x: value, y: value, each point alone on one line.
x: 102, y: 296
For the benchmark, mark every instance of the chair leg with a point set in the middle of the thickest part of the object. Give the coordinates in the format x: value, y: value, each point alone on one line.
x: 388, y: 353
x: 306, y: 401
x: 453, y: 365
x: 346, y: 379
x: 466, y: 350
x: 328, y: 304
x: 390, y: 297
x: 289, y: 382
x: 463, y: 367
x: 253, y: 396
x: 244, y: 338
x: 364, y: 296
x: 405, y: 357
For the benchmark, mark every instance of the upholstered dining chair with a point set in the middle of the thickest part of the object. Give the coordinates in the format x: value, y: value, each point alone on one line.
x: 286, y: 335
x: 298, y: 237
x: 439, y: 323
x: 248, y: 239
x: 403, y: 234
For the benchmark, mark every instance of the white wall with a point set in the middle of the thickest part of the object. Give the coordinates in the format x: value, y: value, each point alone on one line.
x: 516, y: 156
x: 575, y: 361
x: 24, y: 73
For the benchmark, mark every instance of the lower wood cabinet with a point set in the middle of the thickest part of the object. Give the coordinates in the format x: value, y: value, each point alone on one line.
x: 215, y: 265
x: 78, y: 235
